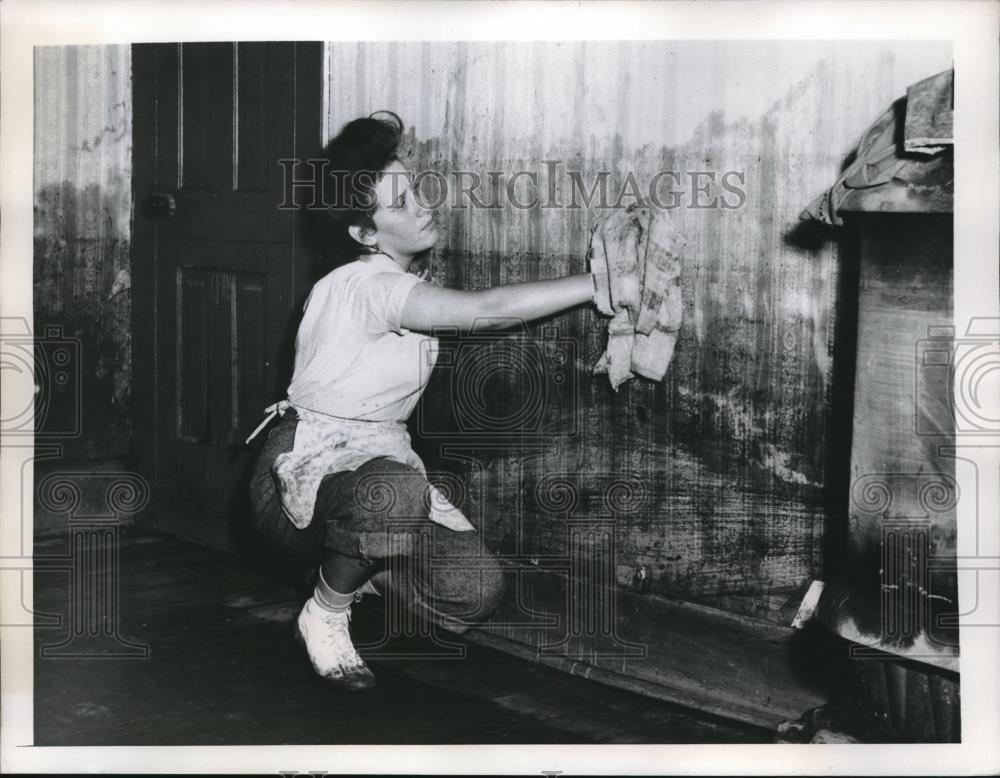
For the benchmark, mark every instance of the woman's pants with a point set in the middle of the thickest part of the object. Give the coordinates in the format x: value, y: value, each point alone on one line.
x: 379, y: 514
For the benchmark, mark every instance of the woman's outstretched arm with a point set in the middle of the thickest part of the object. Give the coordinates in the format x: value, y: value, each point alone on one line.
x: 428, y: 307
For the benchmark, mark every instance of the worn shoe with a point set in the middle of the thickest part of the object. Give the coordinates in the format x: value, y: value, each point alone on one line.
x: 327, y: 640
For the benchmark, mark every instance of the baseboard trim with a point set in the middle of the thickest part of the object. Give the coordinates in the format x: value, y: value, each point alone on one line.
x: 660, y: 691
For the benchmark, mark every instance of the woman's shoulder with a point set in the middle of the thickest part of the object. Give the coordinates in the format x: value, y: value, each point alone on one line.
x: 345, y: 283
x: 341, y: 276
x: 355, y: 268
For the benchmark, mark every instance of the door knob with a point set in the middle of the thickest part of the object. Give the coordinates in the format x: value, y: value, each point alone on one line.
x: 161, y: 205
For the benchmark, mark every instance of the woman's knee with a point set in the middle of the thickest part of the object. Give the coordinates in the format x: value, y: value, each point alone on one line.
x: 390, y: 490
x: 373, y: 512
x: 380, y: 489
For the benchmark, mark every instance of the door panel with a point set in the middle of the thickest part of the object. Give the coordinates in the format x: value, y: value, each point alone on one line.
x: 222, y: 352
x: 218, y: 282
x: 225, y: 115
x: 192, y: 357
x: 251, y: 118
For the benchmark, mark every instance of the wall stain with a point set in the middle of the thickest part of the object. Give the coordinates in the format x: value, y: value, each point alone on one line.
x: 731, y: 444
x: 82, y: 231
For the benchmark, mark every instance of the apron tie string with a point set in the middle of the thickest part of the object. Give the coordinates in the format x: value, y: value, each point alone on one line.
x: 278, y: 409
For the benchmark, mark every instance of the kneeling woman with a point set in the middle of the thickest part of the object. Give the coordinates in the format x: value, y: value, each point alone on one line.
x: 337, y: 473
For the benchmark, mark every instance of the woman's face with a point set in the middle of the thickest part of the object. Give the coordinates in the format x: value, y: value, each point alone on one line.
x: 403, y: 227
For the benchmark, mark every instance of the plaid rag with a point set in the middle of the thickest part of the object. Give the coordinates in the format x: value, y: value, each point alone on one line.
x: 635, y: 260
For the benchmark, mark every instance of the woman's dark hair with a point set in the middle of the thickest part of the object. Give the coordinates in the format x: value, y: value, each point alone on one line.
x: 356, y: 158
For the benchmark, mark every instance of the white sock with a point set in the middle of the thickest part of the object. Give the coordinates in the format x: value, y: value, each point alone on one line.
x: 329, y: 599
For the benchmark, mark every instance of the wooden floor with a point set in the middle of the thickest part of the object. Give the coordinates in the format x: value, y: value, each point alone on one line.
x: 221, y: 667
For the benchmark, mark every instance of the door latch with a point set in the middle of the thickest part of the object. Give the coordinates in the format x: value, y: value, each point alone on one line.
x: 161, y: 205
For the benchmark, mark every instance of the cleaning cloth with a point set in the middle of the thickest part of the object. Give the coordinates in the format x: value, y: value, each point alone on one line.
x: 635, y: 258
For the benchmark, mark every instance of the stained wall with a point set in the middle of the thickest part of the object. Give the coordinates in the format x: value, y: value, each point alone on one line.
x: 713, y: 479
x: 82, y: 229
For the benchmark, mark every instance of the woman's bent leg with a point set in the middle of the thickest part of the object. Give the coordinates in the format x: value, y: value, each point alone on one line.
x: 373, y: 521
x: 459, y: 583
x: 323, y: 624
x: 378, y: 515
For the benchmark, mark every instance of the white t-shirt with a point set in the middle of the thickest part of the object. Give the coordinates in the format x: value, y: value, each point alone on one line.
x: 353, y: 358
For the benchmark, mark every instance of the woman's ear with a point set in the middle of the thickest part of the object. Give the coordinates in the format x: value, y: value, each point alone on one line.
x: 361, y: 235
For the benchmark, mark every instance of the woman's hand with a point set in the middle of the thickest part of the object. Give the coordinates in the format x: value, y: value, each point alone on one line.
x: 429, y: 307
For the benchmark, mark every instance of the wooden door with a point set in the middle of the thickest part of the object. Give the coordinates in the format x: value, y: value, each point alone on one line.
x: 219, y: 268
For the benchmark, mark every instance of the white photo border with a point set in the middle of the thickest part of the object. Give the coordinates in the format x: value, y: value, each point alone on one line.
x: 972, y: 27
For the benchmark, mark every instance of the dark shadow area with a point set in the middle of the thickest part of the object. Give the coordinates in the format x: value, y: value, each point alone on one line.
x: 223, y: 669
x: 840, y: 416
x: 811, y: 236
x: 875, y: 697
x: 821, y: 659
x: 81, y: 311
